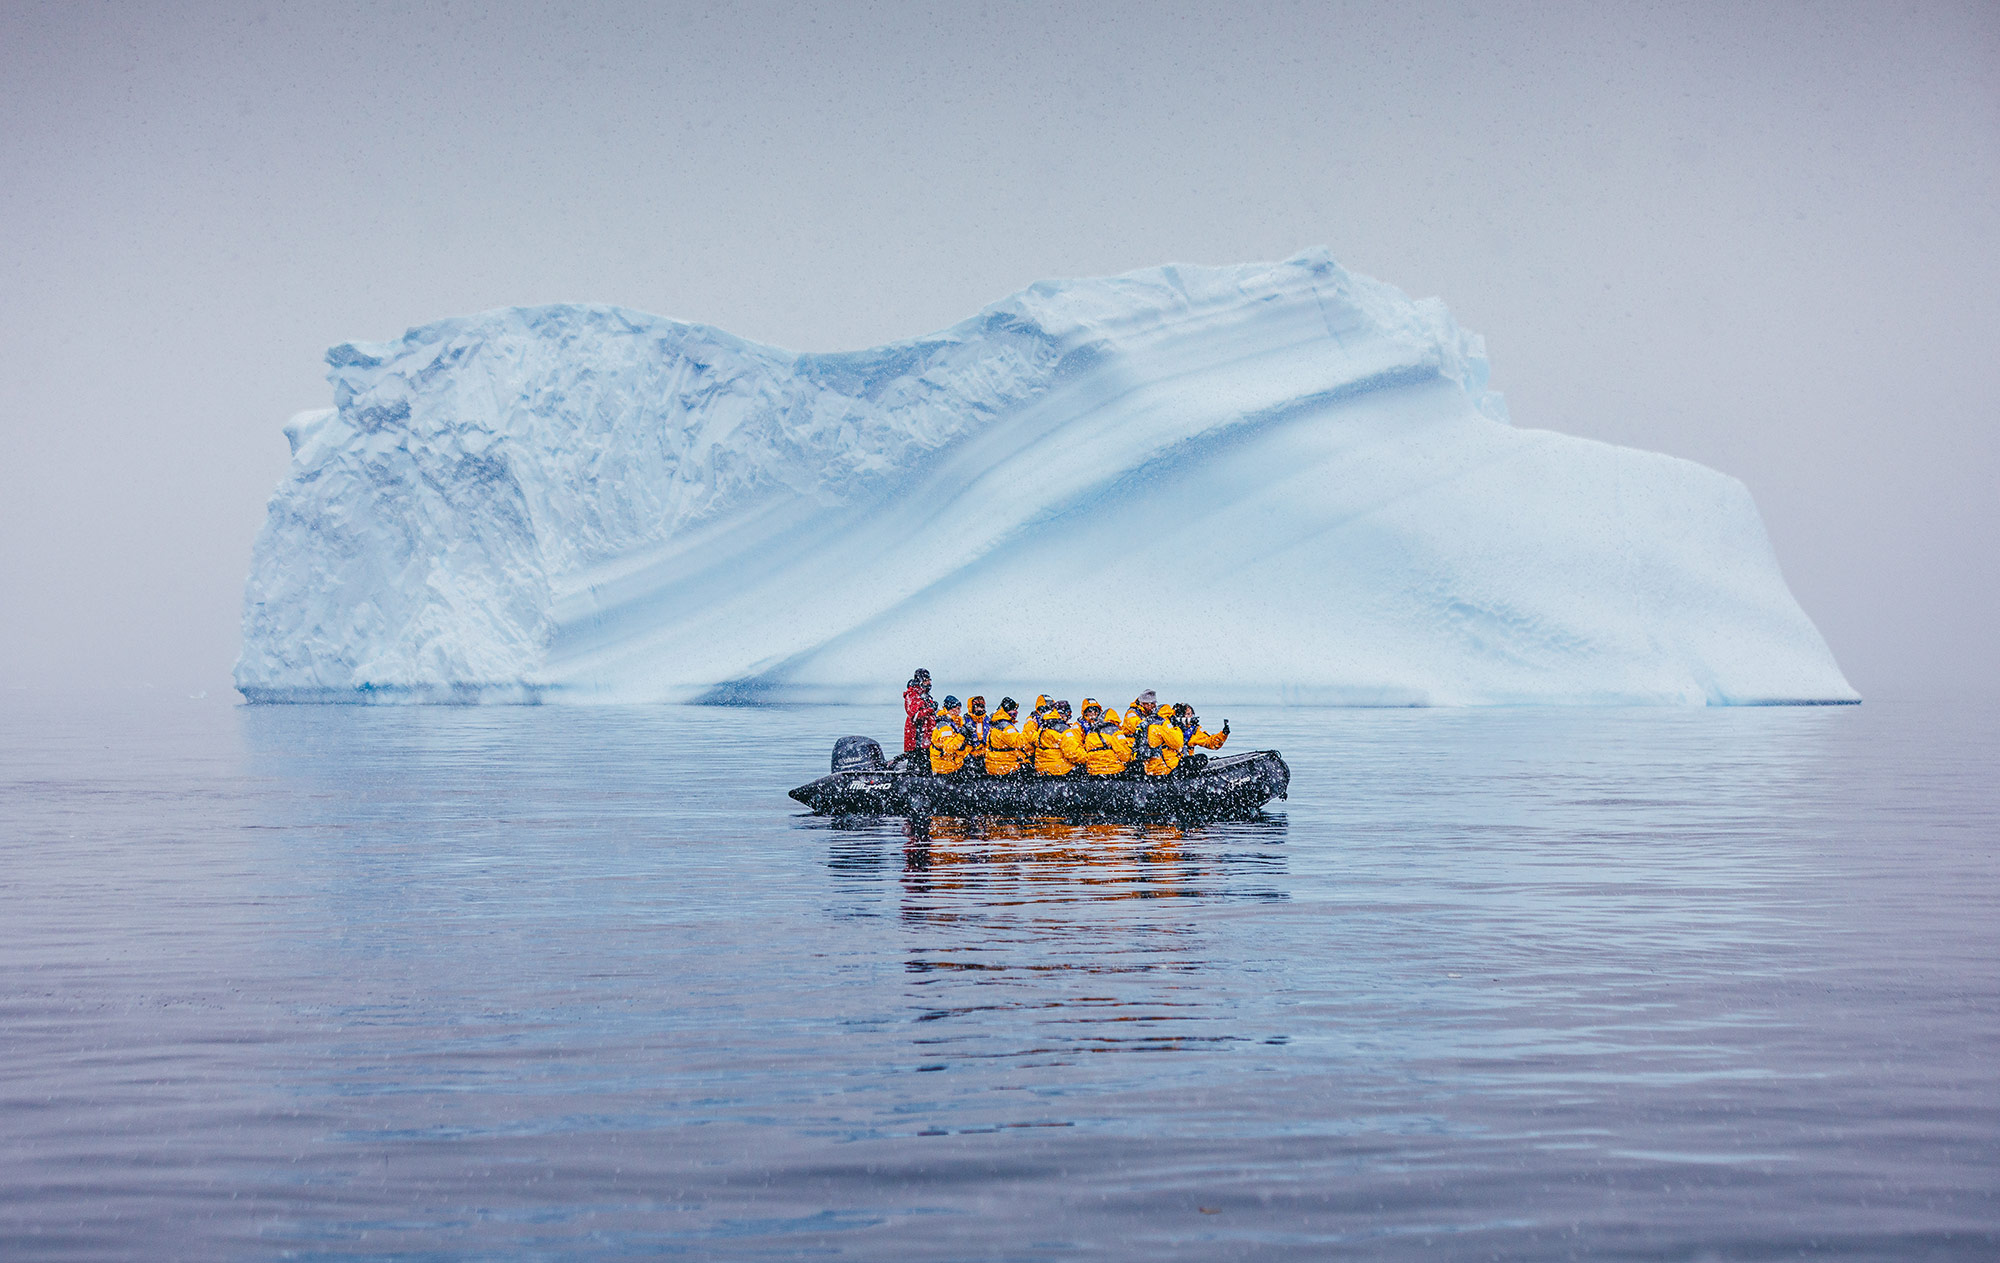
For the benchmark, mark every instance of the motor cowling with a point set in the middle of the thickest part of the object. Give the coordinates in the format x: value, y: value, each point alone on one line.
x: 858, y: 754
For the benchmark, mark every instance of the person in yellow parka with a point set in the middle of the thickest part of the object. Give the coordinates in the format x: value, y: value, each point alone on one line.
x: 947, y: 744
x: 1110, y: 712
x: 1159, y: 741
x: 1007, y: 744
x: 1034, y: 719
x: 1058, y: 747
x: 1142, y: 710
x: 1106, y: 751
x: 1046, y: 716
x: 977, y: 721
x: 1197, y: 736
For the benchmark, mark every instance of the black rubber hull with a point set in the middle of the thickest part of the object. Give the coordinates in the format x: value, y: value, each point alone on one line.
x: 1226, y: 788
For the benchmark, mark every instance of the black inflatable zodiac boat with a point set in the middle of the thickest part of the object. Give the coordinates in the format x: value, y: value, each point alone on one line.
x: 863, y: 783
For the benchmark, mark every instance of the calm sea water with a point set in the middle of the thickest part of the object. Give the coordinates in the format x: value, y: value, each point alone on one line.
x: 522, y: 983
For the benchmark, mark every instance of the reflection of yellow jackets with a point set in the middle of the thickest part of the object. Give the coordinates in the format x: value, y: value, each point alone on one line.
x: 1056, y: 749
x: 1106, y: 751
x: 1007, y: 747
x: 1164, y: 735
x: 947, y: 746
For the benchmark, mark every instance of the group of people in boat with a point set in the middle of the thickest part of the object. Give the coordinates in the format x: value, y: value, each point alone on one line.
x: 1147, y: 740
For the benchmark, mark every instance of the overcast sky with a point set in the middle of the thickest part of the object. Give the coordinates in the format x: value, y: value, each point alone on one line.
x: 1764, y: 236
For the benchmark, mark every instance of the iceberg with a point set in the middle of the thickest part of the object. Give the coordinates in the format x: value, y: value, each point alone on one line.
x: 1273, y: 482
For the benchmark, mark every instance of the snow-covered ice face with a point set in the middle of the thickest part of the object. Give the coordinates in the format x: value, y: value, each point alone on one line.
x: 582, y: 502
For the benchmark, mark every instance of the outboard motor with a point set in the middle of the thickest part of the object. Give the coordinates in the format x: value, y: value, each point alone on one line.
x: 858, y: 754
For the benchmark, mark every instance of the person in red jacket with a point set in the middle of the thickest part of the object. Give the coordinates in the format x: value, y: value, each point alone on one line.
x: 918, y: 711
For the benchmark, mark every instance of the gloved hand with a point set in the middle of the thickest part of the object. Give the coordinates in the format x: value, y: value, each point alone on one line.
x: 1225, y: 728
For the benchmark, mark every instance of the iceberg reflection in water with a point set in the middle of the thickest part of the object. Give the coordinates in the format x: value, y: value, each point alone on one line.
x: 523, y: 982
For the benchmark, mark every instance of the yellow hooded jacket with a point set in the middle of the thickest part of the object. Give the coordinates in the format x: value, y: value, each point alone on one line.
x: 1207, y: 740
x: 1057, y: 749
x: 1106, y: 751
x: 1164, y: 736
x: 1194, y: 733
x: 947, y: 745
x: 1007, y: 747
